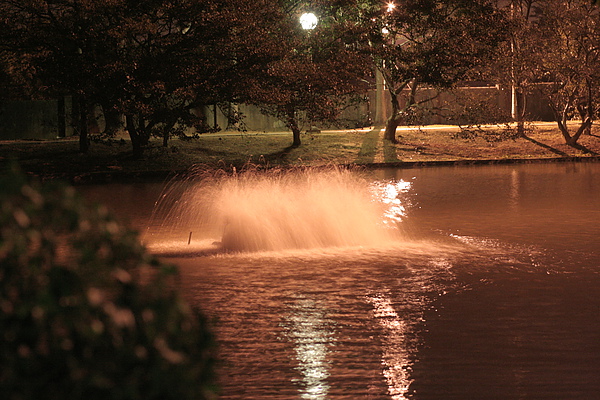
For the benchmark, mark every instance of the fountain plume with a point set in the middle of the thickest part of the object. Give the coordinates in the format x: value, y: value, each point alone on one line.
x: 275, y: 210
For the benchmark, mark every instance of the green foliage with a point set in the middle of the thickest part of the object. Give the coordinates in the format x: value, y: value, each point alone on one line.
x: 85, y: 312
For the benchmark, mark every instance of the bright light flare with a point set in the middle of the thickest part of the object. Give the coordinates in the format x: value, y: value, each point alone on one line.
x: 390, y: 194
x: 308, y: 21
x: 390, y: 7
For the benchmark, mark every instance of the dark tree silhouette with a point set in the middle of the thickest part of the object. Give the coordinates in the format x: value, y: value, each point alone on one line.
x: 312, y: 72
x: 568, y: 61
x: 151, y: 61
x: 417, y: 43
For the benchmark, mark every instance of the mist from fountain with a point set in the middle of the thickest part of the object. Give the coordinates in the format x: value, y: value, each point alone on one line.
x: 276, y: 210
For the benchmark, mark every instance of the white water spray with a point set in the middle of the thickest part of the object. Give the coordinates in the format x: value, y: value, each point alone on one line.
x: 276, y: 210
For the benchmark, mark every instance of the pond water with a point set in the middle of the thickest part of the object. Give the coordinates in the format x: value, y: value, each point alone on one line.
x: 475, y: 282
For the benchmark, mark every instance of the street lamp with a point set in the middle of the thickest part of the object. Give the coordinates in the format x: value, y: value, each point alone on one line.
x: 308, y: 21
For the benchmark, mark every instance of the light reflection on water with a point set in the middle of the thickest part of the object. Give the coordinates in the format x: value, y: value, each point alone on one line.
x: 393, y: 194
x: 491, y: 293
x: 396, y: 349
x: 351, y: 315
x: 307, y: 327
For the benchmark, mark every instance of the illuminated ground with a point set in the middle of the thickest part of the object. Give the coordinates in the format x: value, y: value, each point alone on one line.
x: 111, y: 160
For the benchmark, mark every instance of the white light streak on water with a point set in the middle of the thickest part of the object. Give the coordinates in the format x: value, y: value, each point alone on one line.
x: 396, y: 355
x: 392, y: 195
x: 307, y: 327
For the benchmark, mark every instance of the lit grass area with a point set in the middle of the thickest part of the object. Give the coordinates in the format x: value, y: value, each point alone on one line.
x: 444, y: 143
x: 112, y: 160
x: 368, y: 150
x: 338, y: 147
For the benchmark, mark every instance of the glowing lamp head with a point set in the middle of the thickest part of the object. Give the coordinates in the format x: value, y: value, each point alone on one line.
x: 308, y: 21
x: 390, y: 7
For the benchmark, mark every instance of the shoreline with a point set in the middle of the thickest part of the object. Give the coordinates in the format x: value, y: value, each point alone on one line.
x: 130, y: 177
x: 111, y: 161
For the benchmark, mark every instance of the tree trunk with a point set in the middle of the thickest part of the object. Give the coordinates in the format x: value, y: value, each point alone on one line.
x: 394, y: 119
x: 296, y: 135
x: 134, y: 135
x: 390, y: 129
x: 61, y: 111
x: 590, y: 107
x: 585, y: 125
x: 564, y: 130
x: 165, y: 138
x: 215, y: 120
x: 583, y: 115
x: 112, y: 120
x: 144, y: 130
x: 561, y: 118
x: 293, y: 126
x: 167, y: 133
x: 520, y: 111
x: 84, y: 143
x: 75, y: 115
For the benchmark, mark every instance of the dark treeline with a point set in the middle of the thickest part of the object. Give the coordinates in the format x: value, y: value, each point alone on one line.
x: 150, y: 65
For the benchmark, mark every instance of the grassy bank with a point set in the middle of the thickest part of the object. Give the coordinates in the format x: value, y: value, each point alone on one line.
x: 417, y: 146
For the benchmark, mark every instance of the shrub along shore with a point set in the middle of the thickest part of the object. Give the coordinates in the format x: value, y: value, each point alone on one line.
x: 111, y: 160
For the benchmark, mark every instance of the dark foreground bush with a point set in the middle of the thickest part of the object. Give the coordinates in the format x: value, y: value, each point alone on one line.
x: 85, y: 312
